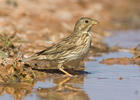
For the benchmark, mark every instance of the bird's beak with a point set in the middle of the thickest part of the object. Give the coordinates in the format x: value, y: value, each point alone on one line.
x: 95, y: 22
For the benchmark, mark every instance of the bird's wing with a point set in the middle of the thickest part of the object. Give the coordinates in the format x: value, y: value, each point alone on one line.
x: 65, y: 45
x: 55, y: 49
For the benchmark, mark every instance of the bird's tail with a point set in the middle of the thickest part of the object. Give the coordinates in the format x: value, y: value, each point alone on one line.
x: 40, y: 57
x: 28, y: 59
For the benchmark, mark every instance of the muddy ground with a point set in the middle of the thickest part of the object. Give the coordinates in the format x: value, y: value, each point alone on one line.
x: 28, y: 26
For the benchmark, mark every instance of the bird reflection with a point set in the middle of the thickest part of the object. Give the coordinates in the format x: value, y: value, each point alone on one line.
x: 64, y: 90
x: 67, y: 88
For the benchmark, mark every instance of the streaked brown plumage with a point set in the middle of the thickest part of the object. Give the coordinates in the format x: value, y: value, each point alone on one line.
x: 73, y: 47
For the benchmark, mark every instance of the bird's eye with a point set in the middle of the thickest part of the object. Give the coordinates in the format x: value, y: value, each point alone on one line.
x: 86, y: 21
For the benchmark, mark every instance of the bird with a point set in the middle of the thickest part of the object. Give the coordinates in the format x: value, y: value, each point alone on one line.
x: 73, y: 47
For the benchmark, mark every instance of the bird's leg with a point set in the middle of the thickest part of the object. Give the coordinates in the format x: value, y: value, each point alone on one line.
x: 60, y: 67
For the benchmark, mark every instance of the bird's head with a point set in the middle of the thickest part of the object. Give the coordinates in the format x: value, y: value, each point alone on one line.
x: 85, y: 24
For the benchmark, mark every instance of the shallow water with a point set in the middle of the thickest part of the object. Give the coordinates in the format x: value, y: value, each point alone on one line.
x: 125, y: 39
x: 104, y: 82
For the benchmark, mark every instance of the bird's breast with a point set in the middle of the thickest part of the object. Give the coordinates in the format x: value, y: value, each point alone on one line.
x: 84, y: 39
x: 84, y: 43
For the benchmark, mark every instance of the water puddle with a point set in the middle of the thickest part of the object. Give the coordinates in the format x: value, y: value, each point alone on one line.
x: 104, y: 82
x: 125, y: 39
